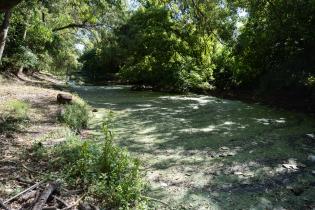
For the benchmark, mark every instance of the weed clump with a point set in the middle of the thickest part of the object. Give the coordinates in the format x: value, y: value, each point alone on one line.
x: 13, y: 115
x: 105, y: 171
x: 75, y: 116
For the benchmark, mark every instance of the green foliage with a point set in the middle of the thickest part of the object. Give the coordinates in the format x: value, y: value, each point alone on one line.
x: 14, y: 113
x: 267, y: 46
x: 277, y: 44
x: 229, y: 72
x: 24, y: 57
x: 103, y: 170
x: 102, y: 64
x: 50, y: 30
x: 162, y: 53
x: 75, y: 115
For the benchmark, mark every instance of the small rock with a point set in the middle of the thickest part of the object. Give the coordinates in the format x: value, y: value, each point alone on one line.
x: 313, y: 172
x: 187, y: 174
x: 94, y: 110
x: 222, y: 155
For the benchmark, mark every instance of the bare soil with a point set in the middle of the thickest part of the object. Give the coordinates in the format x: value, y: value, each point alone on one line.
x: 16, y: 171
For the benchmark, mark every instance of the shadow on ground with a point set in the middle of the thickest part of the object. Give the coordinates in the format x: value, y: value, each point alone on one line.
x: 202, y: 152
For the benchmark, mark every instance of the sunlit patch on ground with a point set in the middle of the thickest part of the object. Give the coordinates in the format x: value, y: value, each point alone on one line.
x: 201, y: 152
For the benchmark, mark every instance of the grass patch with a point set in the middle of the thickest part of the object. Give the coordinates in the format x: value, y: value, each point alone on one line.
x: 103, y: 170
x: 14, y: 114
x: 75, y: 116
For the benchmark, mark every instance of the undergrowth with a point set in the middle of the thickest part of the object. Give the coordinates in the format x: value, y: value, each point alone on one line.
x: 75, y: 116
x: 13, y: 115
x: 103, y: 170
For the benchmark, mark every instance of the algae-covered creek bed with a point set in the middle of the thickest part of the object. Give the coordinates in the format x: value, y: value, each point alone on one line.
x: 202, y: 152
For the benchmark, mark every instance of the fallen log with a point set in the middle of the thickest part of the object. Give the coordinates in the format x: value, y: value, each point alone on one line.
x: 50, y: 188
x: 64, y: 98
x: 24, y: 191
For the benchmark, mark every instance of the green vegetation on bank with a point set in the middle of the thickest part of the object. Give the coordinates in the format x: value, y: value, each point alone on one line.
x: 106, y: 173
x: 75, y: 115
x: 260, y: 47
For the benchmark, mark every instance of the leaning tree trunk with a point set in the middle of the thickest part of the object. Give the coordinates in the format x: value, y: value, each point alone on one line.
x: 4, y: 31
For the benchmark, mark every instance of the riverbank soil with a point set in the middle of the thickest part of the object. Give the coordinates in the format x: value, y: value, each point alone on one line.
x: 202, y: 152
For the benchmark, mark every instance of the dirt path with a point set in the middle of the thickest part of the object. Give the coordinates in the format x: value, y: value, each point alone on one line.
x: 201, y: 152
x: 36, y: 92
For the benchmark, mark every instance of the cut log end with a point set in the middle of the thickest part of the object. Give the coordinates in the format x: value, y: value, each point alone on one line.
x: 64, y: 98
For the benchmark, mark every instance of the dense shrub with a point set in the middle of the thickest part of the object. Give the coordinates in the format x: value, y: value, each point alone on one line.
x: 75, y: 115
x: 103, y: 170
x: 14, y: 113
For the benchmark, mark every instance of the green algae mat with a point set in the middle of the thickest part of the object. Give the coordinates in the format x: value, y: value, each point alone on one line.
x: 202, y: 152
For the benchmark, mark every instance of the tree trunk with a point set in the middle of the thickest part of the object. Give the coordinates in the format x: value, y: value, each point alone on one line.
x: 6, y: 5
x: 23, y: 38
x: 4, y: 31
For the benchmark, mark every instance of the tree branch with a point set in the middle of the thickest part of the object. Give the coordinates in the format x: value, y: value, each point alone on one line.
x: 78, y: 25
x: 6, y: 5
x: 72, y: 25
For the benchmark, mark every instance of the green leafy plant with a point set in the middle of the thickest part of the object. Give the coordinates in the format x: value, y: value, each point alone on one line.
x: 75, y: 115
x: 105, y: 171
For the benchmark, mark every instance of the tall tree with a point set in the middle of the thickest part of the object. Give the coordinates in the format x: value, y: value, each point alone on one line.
x: 6, y: 7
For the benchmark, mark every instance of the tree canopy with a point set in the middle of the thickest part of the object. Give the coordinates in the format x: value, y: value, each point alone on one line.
x: 171, y: 45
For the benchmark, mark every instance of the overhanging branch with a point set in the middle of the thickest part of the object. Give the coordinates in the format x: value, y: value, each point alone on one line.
x: 72, y: 25
x: 78, y: 25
